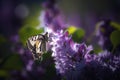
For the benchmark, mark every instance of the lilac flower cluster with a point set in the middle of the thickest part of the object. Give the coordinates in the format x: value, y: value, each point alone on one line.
x: 109, y: 60
x: 104, y: 32
x: 74, y: 60
x: 50, y: 18
x: 68, y: 54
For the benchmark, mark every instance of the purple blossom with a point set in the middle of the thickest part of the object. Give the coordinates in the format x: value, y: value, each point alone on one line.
x: 76, y: 61
x: 104, y: 32
x: 67, y: 54
x: 109, y: 60
x: 14, y: 38
x: 51, y: 11
x: 51, y: 18
x: 62, y: 52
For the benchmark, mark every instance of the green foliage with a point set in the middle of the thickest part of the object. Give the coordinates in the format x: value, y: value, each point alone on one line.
x: 115, y: 38
x: 97, y: 49
x: 71, y: 29
x: 115, y: 25
x: 46, y: 55
x: 4, y: 47
x: 50, y: 66
x: 27, y: 31
x: 3, y: 73
x: 31, y: 21
x: 2, y: 39
x: 13, y: 62
x: 77, y: 33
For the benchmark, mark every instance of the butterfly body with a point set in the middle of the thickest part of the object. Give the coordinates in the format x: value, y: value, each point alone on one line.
x: 37, y: 45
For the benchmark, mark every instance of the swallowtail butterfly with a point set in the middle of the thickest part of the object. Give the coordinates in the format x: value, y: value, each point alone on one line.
x: 37, y: 45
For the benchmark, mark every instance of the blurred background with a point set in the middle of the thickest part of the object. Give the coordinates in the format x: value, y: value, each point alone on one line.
x: 19, y: 19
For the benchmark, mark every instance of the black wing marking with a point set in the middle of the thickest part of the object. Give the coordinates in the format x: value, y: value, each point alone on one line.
x: 30, y: 47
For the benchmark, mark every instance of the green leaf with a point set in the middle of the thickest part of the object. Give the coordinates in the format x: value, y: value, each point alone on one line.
x: 13, y: 62
x: 2, y: 39
x: 3, y: 73
x: 71, y: 29
x: 27, y: 31
x: 32, y: 21
x: 115, y: 25
x: 78, y: 35
x: 97, y: 49
x: 46, y: 56
x: 115, y: 38
x: 50, y: 66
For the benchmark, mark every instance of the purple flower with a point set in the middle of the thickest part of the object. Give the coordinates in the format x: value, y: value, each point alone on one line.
x: 14, y: 38
x: 66, y: 53
x: 51, y: 11
x: 109, y: 60
x: 75, y: 61
x: 104, y: 32
x: 51, y: 18
x: 62, y: 52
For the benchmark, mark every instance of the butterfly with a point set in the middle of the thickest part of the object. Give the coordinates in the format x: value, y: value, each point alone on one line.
x: 37, y: 45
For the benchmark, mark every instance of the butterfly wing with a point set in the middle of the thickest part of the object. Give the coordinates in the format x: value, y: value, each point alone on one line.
x: 43, y: 46
x: 30, y: 45
x: 40, y: 48
x: 31, y: 42
x: 37, y: 45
